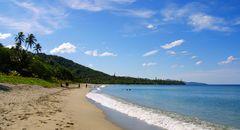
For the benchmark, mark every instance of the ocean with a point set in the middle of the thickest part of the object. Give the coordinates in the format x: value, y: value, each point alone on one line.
x: 174, y: 107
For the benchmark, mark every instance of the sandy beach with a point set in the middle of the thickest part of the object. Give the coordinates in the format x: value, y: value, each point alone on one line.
x: 24, y: 107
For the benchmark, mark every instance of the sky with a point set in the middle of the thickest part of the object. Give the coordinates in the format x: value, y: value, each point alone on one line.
x: 196, y: 40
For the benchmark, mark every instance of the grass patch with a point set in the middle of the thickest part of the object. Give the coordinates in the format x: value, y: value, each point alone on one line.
x: 25, y: 80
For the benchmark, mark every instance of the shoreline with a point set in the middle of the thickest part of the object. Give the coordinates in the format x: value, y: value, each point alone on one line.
x: 86, y: 115
x: 33, y: 107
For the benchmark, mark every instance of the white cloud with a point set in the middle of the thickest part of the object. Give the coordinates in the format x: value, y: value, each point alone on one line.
x: 230, y: 59
x: 96, y: 53
x: 150, y: 26
x: 41, y: 19
x: 111, y: 5
x: 10, y: 46
x: 90, y: 65
x: 202, y: 21
x: 149, y: 64
x: 64, y: 48
x: 4, y: 35
x: 107, y: 54
x: 173, y: 44
x: 24, y: 25
x: 199, y: 62
x: 13, y: 46
x: 193, y: 57
x: 185, y: 52
x: 171, y: 52
x: 150, y: 53
x: 174, y: 12
x: 95, y: 5
x: 193, y: 14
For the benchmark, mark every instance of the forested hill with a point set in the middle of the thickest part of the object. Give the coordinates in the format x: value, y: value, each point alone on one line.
x: 85, y: 74
x: 79, y: 72
x: 22, y: 62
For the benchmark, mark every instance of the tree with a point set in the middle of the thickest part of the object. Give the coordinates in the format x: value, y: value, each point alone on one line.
x: 1, y: 45
x: 30, y: 41
x: 37, y: 48
x: 19, y: 39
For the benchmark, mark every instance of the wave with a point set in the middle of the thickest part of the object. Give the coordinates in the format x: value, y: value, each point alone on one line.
x: 151, y: 116
x: 101, y: 86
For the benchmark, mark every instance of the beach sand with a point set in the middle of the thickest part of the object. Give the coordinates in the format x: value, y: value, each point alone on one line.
x: 24, y: 107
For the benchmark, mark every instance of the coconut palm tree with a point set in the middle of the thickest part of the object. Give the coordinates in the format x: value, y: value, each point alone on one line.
x: 37, y: 48
x: 19, y: 39
x: 30, y: 41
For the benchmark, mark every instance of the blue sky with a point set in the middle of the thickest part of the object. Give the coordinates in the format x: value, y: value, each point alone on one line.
x: 168, y: 39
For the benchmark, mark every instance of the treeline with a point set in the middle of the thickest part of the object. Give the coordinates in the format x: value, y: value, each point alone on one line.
x: 23, y: 62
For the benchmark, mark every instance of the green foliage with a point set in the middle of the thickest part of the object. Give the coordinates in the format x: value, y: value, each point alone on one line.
x: 40, y: 70
x: 19, y: 39
x: 4, y: 60
x: 24, y: 80
x: 30, y: 41
x: 37, y: 48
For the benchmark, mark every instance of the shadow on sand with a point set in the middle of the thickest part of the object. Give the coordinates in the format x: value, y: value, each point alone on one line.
x: 4, y: 88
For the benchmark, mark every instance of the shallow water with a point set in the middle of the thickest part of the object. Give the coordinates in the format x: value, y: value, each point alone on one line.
x: 175, y: 107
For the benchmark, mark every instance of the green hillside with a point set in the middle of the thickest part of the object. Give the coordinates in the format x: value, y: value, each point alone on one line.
x: 20, y: 62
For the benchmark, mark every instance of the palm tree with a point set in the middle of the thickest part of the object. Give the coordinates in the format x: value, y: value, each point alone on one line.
x: 19, y: 39
x: 37, y: 48
x: 30, y: 41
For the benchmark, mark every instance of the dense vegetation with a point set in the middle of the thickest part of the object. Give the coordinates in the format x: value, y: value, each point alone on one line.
x: 19, y: 61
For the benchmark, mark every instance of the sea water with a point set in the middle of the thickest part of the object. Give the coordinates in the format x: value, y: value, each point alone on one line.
x: 174, y: 107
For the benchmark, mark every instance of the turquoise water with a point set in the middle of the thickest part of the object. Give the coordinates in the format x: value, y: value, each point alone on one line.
x: 203, y: 106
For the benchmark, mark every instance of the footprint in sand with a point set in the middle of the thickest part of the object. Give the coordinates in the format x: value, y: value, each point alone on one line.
x: 70, y: 123
x: 43, y: 122
x: 59, y: 124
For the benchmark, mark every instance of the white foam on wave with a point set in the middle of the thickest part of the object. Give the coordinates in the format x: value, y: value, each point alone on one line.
x: 102, y: 86
x: 148, y: 115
